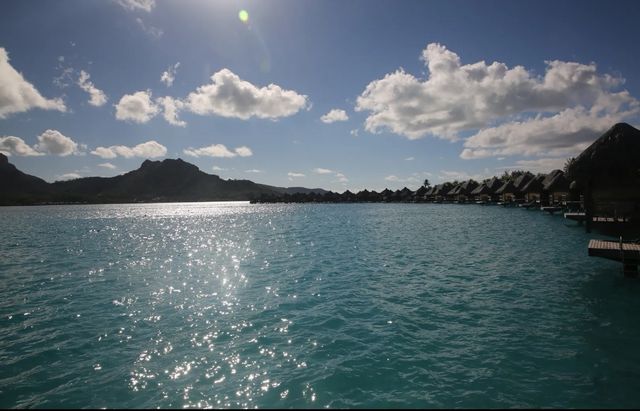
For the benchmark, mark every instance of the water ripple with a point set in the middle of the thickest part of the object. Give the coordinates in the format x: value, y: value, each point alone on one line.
x: 238, y: 305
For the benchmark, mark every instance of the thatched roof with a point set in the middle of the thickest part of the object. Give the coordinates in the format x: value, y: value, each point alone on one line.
x: 455, y: 190
x: 521, y: 181
x: 534, y: 185
x: 507, y: 187
x: 494, y: 184
x: 482, y: 189
x: 612, y: 158
x: 555, y: 181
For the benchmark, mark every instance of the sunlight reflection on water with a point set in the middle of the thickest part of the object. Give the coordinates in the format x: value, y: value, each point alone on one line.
x: 239, y: 305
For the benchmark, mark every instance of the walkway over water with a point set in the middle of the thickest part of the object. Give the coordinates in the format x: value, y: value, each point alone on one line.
x: 627, y: 253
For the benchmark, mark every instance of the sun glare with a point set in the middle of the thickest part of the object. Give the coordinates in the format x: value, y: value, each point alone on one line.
x: 243, y: 15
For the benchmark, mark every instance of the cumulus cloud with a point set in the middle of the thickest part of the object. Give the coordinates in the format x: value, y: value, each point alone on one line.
x: 97, y: 96
x: 170, y: 109
x: 169, y: 75
x: 291, y: 174
x: 137, y: 107
x: 564, y: 134
x: 244, y: 151
x: 150, y: 149
x: 540, y: 165
x: 253, y: 170
x: 135, y: 5
x: 229, y: 96
x: 341, y: 178
x: 17, y: 94
x: 11, y: 145
x: 322, y: 171
x: 54, y: 142
x: 218, y: 150
x: 107, y: 165
x: 456, y: 97
x: 334, y: 115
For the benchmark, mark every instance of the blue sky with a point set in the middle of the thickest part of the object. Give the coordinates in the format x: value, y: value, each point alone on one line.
x: 333, y: 94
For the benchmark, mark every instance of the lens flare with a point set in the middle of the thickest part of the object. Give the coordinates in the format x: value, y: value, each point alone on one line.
x: 243, y: 15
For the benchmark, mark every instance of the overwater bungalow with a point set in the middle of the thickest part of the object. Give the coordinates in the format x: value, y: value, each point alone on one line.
x: 419, y: 195
x: 532, y: 191
x: 462, y: 192
x: 608, y: 173
x: 519, y: 184
x: 556, y: 187
x: 506, y: 192
x: 482, y: 193
x: 386, y: 195
x: 440, y: 192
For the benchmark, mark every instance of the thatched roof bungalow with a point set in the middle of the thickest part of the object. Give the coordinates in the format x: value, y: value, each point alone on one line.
x: 532, y: 191
x: 482, y: 193
x: 462, y: 192
x: 608, y: 173
x: 556, y: 186
x: 506, y: 191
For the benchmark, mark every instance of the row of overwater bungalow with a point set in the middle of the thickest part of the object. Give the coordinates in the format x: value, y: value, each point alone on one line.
x: 552, y: 188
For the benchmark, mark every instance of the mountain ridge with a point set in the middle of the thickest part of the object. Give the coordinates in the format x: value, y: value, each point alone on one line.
x: 168, y: 180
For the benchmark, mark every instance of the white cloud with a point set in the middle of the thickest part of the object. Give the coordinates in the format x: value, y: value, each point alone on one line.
x: 170, y: 109
x: 218, y: 150
x: 17, y: 94
x: 334, y: 115
x: 540, y: 165
x: 107, y: 165
x: 341, y: 178
x: 170, y: 75
x: 295, y: 175
x: 152, y: 31
x: 54, y: 142
x: 137, y: 107
x: 150, y: 149
x: 11, y: 145
x: 216, y: 168
x: 395, y: 179
x: 457, y: 97
x: 68, y: 176
x: 253, y: 171
x: 97, y: 96
x: 409, y: 159
x: 244, y: 151
x: 135, y: 5
x: 322, y: 171
x: 229, y: 96
x: 354, y: 132
x: 564, y: 134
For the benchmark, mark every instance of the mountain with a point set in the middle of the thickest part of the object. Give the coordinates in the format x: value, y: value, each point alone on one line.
x: 155, y: 181
x: 17, y: 187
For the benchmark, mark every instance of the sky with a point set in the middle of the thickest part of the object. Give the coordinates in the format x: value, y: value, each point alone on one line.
x: 337, y: 94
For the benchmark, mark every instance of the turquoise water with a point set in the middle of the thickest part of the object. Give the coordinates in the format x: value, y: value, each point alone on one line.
x: 335, y: 305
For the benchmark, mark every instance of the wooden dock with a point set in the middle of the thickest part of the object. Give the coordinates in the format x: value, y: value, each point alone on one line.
x: 579, y: 217
x: 627, y: 253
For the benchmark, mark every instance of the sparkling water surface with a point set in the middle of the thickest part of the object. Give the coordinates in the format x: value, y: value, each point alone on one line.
x: 330, y: 305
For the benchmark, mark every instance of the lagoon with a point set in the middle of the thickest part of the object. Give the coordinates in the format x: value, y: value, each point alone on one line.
x: 310, y: 305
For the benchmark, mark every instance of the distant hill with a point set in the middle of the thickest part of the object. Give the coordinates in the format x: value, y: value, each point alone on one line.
x: 155, y: 181
x: 296, y: 190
